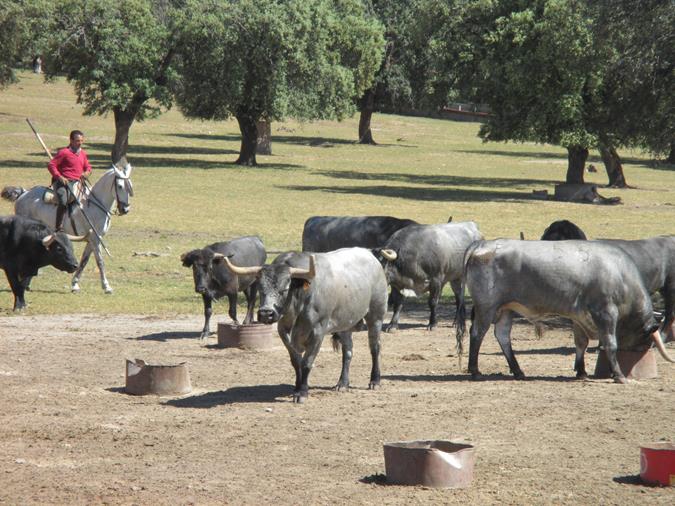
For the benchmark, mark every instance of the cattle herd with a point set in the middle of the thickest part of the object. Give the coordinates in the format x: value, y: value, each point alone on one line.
x: 339, y: 282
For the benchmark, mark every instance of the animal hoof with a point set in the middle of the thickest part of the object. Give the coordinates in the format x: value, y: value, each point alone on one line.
x: 341, y: 388
x: 373, y: 385
x: 582, y: 377
x: 391, y: 329
x: 476, y: 376
x: 519, y: 376
x: 621, y: 379
x: 299, y: 398
x: 108, y: 291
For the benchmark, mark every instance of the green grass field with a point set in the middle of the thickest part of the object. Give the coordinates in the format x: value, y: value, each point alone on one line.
x: 189, y: 193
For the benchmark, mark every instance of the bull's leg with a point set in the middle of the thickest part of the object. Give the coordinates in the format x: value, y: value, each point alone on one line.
x: 347, y: 347
x: 232, y: 300
x: 374, y: 331
x: 581, y: 343
x: 101, y: 269
x: 435, y: 289
x: 606, y: 324
x: 313, y: 345
x: 480, y: 324
x: 17, y: 289
x: 208, y: 311
x: 397, y: 305
x: 250, y: 294
x: 668, y: 325
x: 86, y: 254
x: 456, y: 285
x: 503, y: 335
x: 296, y: 358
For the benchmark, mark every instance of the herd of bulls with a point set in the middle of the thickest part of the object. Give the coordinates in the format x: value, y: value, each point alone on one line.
x: 340, y: 281
x: 341, y: 278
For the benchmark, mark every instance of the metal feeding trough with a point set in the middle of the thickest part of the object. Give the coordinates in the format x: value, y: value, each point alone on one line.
x: 439, y: 464
x: 253, y: 336
x: 146, y: 379
x: 634, y: 364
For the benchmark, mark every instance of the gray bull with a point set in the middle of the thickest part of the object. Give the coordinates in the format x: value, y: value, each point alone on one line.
x: 423, y: 258
x: 595, y: 285
x: 314, y: 295
x: 655, y: 260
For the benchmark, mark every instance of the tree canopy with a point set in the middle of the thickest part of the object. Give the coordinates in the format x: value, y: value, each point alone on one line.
x: 272, y: 59
x: 118, y: 54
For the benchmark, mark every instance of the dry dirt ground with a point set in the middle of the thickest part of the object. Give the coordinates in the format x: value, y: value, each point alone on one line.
x: 71, y: 435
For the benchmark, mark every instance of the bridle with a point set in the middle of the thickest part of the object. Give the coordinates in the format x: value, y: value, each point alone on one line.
x: 121, y: 204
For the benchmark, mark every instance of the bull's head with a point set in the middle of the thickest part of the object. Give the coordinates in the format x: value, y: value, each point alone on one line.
x: 60, y: 250
x: 202, y: 262
x: 277, y: 281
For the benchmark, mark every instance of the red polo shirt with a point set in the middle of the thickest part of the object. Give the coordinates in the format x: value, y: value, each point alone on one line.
x: 68, y: 164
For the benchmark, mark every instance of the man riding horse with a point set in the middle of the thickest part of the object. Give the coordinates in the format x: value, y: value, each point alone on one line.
x: 67, y: 168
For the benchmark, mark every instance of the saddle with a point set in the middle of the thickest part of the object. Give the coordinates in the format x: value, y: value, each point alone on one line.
x: 48, y: 196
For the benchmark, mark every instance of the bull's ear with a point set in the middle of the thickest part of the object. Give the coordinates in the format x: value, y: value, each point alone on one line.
x: 187, y: 259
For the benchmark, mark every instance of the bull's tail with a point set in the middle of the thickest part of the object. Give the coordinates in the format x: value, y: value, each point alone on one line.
x: 461, y: 307
x: 335, y: 341
x: 12, y: 193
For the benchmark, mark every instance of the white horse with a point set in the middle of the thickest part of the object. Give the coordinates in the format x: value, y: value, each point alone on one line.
x: 113, y: 187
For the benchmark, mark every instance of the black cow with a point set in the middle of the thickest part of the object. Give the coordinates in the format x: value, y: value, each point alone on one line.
x: 25, y: 246
x: 328, y: 233
x: 563, y: 230
x: 421, y: 258
x: 214, y: 280
x: 595, y: 285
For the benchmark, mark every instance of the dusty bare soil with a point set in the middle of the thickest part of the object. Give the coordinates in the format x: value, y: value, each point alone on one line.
x: 71, y: 435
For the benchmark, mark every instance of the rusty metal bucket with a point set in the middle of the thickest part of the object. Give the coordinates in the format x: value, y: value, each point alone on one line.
x: 146, y: 379
x: 634, y: 364
x: 254, y: 336
x: 440, y: 464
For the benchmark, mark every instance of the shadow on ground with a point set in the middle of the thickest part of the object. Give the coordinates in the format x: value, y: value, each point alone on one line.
x: 254, y: 393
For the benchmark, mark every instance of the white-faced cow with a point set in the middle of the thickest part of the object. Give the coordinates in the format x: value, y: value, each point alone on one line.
x: 323, y: 293
x: 27, y: 245
x: 423, y: 258
x: 214, y: 280
x: 595, y: 285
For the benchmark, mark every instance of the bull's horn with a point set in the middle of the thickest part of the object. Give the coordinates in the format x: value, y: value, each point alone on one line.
x: 77, y: 238
x: 48, y: 240
x: 307, y: 274
x: 656, y: 336
x: 389, y: 254
x: 240, y: 271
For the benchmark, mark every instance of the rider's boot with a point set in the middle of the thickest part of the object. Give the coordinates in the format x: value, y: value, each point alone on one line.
x: 60, y: 215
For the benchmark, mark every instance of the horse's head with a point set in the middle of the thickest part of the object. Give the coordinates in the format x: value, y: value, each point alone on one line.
x: 124, y: 190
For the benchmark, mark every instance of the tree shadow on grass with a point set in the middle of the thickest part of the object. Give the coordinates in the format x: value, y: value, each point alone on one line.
x: 421, y: 194
x: 255, y: 393
x: 167, y: 150
x: 412, y: 178
x: 545, y: 155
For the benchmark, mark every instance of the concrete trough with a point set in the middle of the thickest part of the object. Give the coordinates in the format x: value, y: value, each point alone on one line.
x: 147, y: 379
x: 254, y: 336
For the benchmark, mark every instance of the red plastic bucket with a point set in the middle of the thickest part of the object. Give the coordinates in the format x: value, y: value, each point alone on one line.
x: 657, y: 463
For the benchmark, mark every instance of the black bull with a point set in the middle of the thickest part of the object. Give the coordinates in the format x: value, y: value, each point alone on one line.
x: 595, y: 285
x: 27, y: 245
x: 214, y: 280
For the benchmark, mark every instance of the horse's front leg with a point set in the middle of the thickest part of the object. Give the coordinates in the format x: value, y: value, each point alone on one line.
x: 101, y: 269
x: 86, y: 254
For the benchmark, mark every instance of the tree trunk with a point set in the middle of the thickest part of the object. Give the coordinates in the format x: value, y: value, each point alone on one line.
x: 613, y: 166
x: 671, y: 156
x: 123, y: 121
x: 249, y: 139
x: 576, y: 161
x: 367, y: 108
x: 264, y: 128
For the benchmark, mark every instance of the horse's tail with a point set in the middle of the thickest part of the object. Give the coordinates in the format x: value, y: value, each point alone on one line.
x: 12, y: 193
